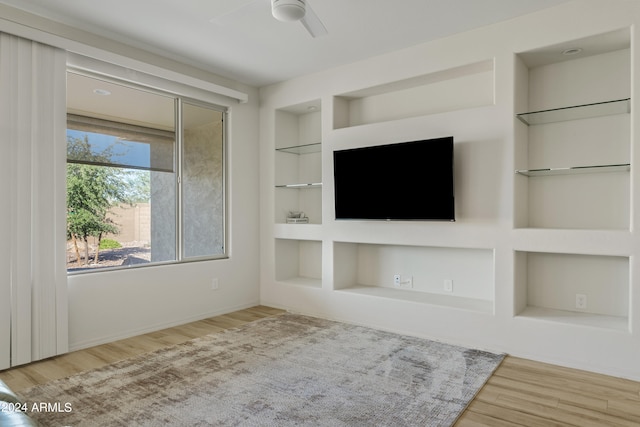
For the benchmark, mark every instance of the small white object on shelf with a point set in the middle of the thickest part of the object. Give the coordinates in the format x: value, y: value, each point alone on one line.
x: 297, y: 218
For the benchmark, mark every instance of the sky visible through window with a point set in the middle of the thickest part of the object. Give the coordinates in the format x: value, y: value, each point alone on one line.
x: 124, y: 153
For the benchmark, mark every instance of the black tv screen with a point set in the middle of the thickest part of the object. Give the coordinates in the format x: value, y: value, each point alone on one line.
x: 401, y: 181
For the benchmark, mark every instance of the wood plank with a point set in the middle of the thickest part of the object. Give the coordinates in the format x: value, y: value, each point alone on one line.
x: 574, y: 383
x: 512, y: 385
x: 475, y: 419
x: 628, y: 409
x: 621, y: 384
x: 493, y: 394
x: 514, y: 389
x: 40, y: 372
x: 565, y: 415
x: 514, y: 416
x: 597, y: 418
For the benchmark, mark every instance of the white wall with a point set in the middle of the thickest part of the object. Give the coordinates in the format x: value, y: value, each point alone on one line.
x: 109, y: 305
x: 491, y: 203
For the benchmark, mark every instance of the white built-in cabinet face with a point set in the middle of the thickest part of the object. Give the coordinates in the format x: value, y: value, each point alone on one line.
x: 572, y: 152
x: 543, y: 247
x: 573, y: 161
x: 460, y: 278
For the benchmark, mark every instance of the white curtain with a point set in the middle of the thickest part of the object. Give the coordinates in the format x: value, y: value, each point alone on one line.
x: 33, y: 281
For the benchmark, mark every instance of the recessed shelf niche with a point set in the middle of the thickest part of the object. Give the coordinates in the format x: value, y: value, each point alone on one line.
x: 573, y: 135
x: 469, y: 270
x: 548, y: 285
x: 298, y: 162
x: 457, y: 88
x: 299, y: 262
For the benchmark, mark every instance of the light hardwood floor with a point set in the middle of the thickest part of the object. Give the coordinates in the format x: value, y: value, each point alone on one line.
x: 520, y: 393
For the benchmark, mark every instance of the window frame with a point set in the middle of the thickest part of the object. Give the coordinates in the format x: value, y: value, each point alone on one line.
x: 178, y: 101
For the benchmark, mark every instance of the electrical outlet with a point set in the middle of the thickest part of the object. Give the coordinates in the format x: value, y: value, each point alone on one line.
x: 397, y: 281
x: 581, y: 301
x: 215, y: 284
x: 448, y: 285
x: 402, y: 282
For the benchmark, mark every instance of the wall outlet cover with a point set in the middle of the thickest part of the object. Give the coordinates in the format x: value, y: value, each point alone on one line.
x: 581, y: 301
x: 397, y: 280
x: 448, y: 285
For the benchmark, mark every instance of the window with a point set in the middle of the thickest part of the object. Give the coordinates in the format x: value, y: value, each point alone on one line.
x: 145, y: 176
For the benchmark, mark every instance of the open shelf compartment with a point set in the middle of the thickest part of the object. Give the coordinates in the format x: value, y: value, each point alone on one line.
x: 573, y: 289
x: 582, y: 150
x: 298, y: 162
x: 428, y: 269
x: 454, y: 89
x: 299, y: 262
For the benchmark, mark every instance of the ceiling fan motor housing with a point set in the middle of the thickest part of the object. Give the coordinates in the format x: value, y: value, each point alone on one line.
x: 288, y: 10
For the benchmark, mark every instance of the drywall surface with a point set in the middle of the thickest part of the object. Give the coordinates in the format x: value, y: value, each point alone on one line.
x: 514, y: 248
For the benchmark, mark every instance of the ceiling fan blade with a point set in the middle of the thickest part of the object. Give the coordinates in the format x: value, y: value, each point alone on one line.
x: 312, y: 23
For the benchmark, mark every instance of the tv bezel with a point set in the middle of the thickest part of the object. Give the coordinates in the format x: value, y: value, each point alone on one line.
x: 451, y: 218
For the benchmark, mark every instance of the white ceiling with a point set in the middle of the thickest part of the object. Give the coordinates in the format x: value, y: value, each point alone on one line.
x: 239, y: 39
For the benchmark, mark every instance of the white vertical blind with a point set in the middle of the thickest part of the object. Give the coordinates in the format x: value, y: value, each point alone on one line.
x: 6, y: 217
x: 33, y: 213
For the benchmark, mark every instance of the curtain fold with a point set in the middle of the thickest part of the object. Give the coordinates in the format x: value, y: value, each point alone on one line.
x: 33, y: 285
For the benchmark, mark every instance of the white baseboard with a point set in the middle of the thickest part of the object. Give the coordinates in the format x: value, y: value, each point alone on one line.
x: 157, y: 327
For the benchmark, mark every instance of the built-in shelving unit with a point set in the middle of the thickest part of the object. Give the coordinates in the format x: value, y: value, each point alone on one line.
x: 298, y: 195
x: 542, y: 260
x: 578, y: 160
x: 298, y: 187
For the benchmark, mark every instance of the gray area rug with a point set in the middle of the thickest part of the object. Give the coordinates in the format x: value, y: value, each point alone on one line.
x: 289, y: 370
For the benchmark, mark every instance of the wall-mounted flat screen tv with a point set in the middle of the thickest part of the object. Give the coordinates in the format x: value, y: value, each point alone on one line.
x: 404, y: 181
